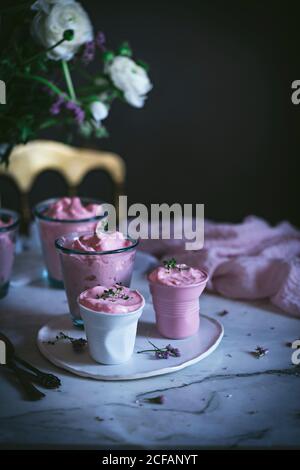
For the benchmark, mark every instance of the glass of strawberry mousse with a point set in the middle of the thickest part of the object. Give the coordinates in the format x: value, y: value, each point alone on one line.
x: 175, y: 290
x: 110, y: 318
x: 9, y: 223
x: 91, y: 259
x: 60, y: 216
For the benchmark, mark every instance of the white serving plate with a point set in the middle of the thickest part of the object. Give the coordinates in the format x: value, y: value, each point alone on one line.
x: 193, y: 349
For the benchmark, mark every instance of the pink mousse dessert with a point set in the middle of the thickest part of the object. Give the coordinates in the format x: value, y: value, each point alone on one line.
x: 110, y: 318
x: 57, y: 217
x: 91, y: 259
x: 117, y: 299
x: 9, y: 222
x: 175, y: 290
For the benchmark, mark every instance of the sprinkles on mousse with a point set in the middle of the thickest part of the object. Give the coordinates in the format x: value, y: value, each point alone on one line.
x: 176, y: 275
x: 117, y: 299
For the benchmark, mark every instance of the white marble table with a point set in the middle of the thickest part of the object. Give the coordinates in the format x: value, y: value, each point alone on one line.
x: 230, y: 399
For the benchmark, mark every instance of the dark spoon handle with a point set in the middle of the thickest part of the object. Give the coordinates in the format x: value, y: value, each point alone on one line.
x: 47, y: 380
x: 31, y: 391
x: 28, y: 365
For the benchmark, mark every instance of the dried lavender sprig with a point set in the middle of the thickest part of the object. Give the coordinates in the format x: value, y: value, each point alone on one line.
x: 162, y: 353
x: 78, y: 344
x: 174, y: 351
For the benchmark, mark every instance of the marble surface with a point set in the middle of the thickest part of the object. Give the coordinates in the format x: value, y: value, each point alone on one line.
x: 230, y: 399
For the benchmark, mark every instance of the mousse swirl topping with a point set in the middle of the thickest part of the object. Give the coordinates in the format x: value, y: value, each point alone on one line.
x: 174, y: 274
x: 71, y: 208
x: 101, y: 241
x: 116, y: 299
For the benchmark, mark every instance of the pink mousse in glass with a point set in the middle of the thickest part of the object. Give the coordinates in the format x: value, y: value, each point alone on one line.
x: 91, y: 259
x: 175, y: 290
x: 57, y: 217
x: 9, y: 222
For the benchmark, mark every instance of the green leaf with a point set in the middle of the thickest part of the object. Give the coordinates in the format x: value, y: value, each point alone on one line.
x: 125, y: 50
x: 143, y: 64
x: 86, y: 129
x: 108, y: 56
x: 101, y: 132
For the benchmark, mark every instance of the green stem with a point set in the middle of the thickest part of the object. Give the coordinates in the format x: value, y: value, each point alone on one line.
x: 28, y: 61
x: 43, y: 80
x: 157, y: 349
x: 68, y: 79
x: 151, y: 350
x: 48, y: 123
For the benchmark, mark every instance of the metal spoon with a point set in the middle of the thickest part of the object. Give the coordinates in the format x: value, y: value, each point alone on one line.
x: 42, y: 378
x: 31, y: 391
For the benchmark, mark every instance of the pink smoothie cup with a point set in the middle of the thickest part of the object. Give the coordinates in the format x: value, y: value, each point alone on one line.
x: 177, y: 308
x: 8, y: 235
x: 50, y: 229
x: 85, y: 269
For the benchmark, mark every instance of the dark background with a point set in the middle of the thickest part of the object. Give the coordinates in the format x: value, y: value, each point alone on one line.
x: 219, y: 127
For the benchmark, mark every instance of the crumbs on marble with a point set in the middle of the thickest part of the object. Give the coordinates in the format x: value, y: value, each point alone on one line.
x: 223, y: 313
x: 98, y: 418
x: 158, y: 400
x: 259, y: 352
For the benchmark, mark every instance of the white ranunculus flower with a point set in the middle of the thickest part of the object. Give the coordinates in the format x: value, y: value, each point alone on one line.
x: 56, y: 16
x: 99, y: 111
x: 130, y: 78
x: 46, y: 5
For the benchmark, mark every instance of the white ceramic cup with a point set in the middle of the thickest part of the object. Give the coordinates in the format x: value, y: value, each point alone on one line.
x: 111, y: 336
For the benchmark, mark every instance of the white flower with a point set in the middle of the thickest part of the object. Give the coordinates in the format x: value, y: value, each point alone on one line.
x: 99, y: 111
x: 46, y: 5
x: 130, y: 78
x: 56, y: 16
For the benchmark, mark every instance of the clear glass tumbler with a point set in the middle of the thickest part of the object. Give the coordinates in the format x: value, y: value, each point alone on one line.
x: 50, y: 229
x: 85, y: 269
x: 8, y: 234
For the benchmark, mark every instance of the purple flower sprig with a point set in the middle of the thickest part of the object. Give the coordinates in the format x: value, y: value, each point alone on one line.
x: 162, y: 353
x: 100, y: 41
x: 88, y: 54
x: 62, y: 102
x: 57, y: 105
x: 89, y: 50
x: 77, y: 111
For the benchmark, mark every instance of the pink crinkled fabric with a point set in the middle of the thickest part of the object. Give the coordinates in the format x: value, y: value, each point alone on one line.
x: 251, y: 260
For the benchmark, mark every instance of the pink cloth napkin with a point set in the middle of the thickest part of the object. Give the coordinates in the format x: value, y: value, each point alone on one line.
x: 251, y: 260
